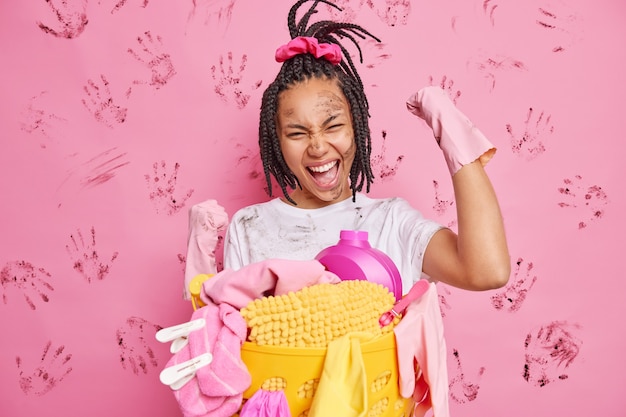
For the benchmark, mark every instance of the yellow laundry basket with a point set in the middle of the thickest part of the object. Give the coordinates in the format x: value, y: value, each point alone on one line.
x: 298, y: 371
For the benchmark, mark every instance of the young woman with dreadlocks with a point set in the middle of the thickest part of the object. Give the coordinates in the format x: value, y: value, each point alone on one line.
x: 315, y: 141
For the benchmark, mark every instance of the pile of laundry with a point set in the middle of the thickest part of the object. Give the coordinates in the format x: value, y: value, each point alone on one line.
x: 208, y: 376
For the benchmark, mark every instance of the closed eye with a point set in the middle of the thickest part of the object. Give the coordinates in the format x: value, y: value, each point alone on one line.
x: 295, y: 135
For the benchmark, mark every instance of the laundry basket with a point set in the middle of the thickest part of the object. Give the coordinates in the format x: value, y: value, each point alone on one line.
x: 298, y: 371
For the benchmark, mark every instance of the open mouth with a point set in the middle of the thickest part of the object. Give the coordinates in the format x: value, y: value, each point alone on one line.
x: 326, y: 174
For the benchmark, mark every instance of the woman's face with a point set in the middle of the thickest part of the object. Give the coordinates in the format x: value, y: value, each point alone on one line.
x: 314, y: 126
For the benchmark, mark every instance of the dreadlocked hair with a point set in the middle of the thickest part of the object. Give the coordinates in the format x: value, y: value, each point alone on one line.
x: 303, y: 67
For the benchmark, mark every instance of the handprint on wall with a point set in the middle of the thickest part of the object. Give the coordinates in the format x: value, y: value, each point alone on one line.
x: 591, y: 198
x: 85, y: 257
x: 513, y: 295
x: 391, y: 12
x: 442, y: 293
x: 53, y: 367
x: 158, y: 62
x: 71, y: 16
x: 557, y: 17
x: 35, y: 118
x: 122, y: 3
x: 349, y: 10
x: 374, y: 52
x: 207, y: 10
x: 247, y: 163
x: 30, y: 281
x: 162, y: 185
x: 549, y: 353
x: 228, y: 81
x: 250, y: 162
x: 132, y: 338
x: 489, y: 67
x: 463, y: 390
x: 489, y: 8
x: 536, y: 129
x: 442, y: 206
x: 381, y: 168
x: 99, y: 102
x: 447, y: 85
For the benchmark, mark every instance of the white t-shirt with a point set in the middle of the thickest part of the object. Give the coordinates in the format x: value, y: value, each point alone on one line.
x: 277, y: 230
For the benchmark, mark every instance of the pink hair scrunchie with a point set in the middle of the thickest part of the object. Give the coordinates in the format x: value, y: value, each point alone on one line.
x: 309, y: 45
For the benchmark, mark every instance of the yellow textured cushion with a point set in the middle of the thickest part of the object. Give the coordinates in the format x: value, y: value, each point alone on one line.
x: 316, y: 315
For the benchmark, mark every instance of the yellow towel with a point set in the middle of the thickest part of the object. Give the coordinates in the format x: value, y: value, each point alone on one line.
x: 342, y: 389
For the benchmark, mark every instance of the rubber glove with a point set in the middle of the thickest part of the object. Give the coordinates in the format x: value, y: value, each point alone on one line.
x: 460, y: 141
x: 419, y: 338
x: 206, y: 221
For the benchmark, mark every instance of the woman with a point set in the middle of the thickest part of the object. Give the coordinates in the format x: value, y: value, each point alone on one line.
x: 315, y: 141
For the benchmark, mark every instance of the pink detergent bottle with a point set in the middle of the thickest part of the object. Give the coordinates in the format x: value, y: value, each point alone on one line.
x: 354, y: 258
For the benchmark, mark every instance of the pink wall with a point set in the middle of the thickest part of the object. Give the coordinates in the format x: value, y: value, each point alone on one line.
x: 118, y: 116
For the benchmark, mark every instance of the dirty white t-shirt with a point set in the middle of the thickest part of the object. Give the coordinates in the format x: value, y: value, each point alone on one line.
x: 276, y: 230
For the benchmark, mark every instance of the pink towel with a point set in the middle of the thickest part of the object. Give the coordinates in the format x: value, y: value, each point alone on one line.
x: 223, y: 335
x: 419, y: 337
x: 217, y: 389
x: 275, y: 276
x: 207, y: 221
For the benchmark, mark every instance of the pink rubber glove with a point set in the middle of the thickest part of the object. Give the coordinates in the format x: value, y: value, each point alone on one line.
x: 460, y: 141
x: 207, y: 220
x: 419, y: 338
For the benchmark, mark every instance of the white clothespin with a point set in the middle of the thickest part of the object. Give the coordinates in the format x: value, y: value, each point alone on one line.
x: 178, y: 334
x: 178, y: 375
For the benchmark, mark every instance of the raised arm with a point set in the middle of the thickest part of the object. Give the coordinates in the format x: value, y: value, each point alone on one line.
x: 477, y: 258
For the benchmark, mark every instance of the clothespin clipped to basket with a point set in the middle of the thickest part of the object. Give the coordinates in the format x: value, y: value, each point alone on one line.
x: 178, y: 375
x: 178, y: 334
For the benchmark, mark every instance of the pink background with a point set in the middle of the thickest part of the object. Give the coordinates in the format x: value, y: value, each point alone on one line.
x: 96, y: 179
